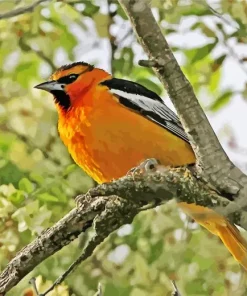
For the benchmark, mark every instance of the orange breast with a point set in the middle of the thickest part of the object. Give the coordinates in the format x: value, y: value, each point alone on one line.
x: 107, y: 139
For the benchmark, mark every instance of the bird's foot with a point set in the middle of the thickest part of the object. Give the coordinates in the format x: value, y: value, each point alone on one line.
x: 149, y: 165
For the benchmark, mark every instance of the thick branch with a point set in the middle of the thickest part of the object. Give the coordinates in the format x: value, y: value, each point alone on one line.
x: 21, y: 10
x: 217, y: 168
x: 156, y: 188
x: 110, y: 212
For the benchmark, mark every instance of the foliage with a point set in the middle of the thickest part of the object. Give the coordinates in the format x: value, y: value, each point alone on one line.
x: 38, y: 180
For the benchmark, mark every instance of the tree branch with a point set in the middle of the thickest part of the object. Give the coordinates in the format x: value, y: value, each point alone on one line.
x: 109, y: 212
x: 21, y: 10
x: 112, y: 39
x: 38, y: 52
x: 213, y: 163
x: 176, y: 291
x: 111, y: 205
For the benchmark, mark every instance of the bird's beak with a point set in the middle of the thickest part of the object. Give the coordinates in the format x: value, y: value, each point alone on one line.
x: 50, y: 86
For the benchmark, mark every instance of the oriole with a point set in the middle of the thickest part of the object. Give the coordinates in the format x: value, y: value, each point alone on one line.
x: 111, y: 125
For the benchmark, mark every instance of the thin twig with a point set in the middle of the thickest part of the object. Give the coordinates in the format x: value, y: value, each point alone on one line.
x: 39, y: 53
x: 110, y: 218
x: 176, y: 291
x: 235, y: 56
x: 147, y: 63
x: 99, y: 291
x: 21, y: 10
x: 218, y: 14
x: 112, y: 38
x: 92, y: 244
x: 110, y: 212
x: 127, y: 34
x: 30, y: 143
x: 214, y: 165
x: 32, y: 281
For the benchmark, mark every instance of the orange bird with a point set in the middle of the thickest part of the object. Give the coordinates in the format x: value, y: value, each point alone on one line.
x: 111, y: 125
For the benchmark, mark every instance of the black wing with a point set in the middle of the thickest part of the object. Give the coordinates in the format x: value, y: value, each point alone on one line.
x: 147, y: 103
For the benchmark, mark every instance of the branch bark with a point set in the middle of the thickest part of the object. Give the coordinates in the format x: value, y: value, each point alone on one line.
x: 111, y: 212
x: 213, y: 163
x: 21, y: 10
x: 111, y: 205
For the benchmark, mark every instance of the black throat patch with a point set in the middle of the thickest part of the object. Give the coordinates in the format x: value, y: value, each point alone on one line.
x: 62, y: 99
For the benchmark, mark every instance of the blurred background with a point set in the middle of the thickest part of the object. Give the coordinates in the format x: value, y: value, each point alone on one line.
x: 38, y: 179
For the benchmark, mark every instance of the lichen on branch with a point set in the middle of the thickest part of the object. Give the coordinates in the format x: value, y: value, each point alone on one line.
x: 112, y: 205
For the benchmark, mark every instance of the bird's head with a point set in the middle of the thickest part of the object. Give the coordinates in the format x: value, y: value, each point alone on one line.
x: 70, y: 82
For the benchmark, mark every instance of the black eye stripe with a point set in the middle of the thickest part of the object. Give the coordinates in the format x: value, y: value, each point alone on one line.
x: 68, y: 79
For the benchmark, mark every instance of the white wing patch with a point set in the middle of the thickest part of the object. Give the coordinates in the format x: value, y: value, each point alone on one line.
x: 142, y: 100
x: 154, y: 110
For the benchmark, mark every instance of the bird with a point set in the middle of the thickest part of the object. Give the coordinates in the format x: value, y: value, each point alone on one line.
x: 110, y: 125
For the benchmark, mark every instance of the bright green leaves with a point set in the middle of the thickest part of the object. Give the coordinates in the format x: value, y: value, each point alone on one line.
x: 90, y: 8
x: 9, y: 172
x: 23, y: 71
x: 32, y: 217
x: 43, y: 285
x: 123, y: 65
x: 102, y: 23
x: 46, y: 197
x: 38, y: 179
x: 6, y: 207
x: 217, y: 63
x: 221, y: 101
x: 26, y: 185
x: 56, y: 195
x: 17, y: 198
x: 69, y: 169
x: 154, y: 86
x: 198, y: 54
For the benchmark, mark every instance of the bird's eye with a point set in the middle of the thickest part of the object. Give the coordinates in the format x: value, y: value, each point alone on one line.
x: 68, y: 79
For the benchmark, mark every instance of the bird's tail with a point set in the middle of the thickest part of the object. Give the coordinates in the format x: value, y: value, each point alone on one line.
x: 235, y: 243
x: 220, y: 226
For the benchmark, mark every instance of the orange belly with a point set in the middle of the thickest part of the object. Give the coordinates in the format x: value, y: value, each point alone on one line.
x: 106, y: 140
x: 110, y: 140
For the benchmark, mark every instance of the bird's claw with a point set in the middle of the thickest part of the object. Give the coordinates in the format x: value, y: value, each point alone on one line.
x: 147, y: 166
x: 148, y: 206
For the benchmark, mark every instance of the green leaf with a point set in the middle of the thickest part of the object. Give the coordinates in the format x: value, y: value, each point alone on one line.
x: 69, y: 169
x: 59, y: 194
x: 101, y: 22
x: 110, y: 288
x: 46, y: 197
x: 214, y: 81
x: 196, y: 26
x: 6, y: 140
x: 207, y: 31
x: 62, y: 36
x: 221, y: 101
x: 150, y: 85
x: 10, y: 173
x: 37, y: 178
x: 244, y: 93
x: 17, y: 197
x: 124, y: 64
x: 6, y: 6
x: 26, y: 185
x: 218, y: 63
x: 156, y: 251
x: 200, y: 53
x: 196, y: 289
x: 198, y: 10
x: 121, y: 12
x: 6, y: 207
x: 27, y: 69
x: 90, y: 9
